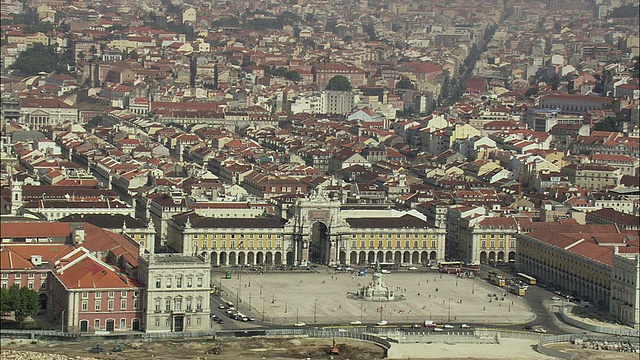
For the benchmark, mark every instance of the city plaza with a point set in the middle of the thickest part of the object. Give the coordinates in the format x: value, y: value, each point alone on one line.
x: 322, y: 297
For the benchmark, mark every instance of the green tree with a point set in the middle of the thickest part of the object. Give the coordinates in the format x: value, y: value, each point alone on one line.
x: 608, y: 124
x: 339, y: 83
x: 23, y: 302
x: 292, y: 75
x: 405, y: 83
x: 39, y: 58
x: 43, y: 27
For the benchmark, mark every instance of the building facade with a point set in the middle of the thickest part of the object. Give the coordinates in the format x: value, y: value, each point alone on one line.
x: 625, y: 288
x: 178, y: 290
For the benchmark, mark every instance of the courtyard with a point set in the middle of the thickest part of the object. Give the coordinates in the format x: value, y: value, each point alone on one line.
x: 322, y: 298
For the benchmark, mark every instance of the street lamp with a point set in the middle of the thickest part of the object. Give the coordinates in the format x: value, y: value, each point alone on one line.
x: 62, y: 320
x: 315, y: 310
x: 263, y: 309
x: 449, y: 309
x: 360, y: 313
x: 297, y: 318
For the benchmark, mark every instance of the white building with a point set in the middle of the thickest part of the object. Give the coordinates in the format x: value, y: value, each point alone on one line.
x: 178, y: 290
x: 625, y: 288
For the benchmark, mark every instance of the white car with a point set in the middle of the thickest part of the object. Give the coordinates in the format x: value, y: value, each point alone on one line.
x: 382, y: 322
x: 555, y: 298
x: 447, y: 326
x: 356, y: 322
x: 385, y: 271
x: 404, y: 264
x: 540, y: 330
x: 437, y: 329
x: 299, y: 324
x: 413, y: 268
x: 465, y: 326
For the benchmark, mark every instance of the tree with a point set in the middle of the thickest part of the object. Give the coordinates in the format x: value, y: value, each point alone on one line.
x: 39, y: 58
x: 339, y: 83
x: 292, y: 75
x: 23, y: 302
x: 608, y: 124
x: 405, y: 83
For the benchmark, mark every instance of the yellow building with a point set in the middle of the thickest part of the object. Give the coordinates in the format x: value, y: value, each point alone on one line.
x: 568, y: 256
x: 17, y: 37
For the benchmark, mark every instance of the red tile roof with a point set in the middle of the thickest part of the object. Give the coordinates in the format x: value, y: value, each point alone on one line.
x: 34, y: 230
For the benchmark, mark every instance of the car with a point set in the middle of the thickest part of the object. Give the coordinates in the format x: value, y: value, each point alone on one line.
x: 356, y: 322
x: 447, y: 326
x: 299, y: 324
x: 437, y: 329
x: 416, y: 326
x: 527, y: 328
x: 404, y: 264
x: 413, y: 268
x: 232, y: 308
x: 214, y: 318
x: 245, y: 319
x: 540, y: 330
x: 251, y: 318
x: 222, y: 306
x: 429, y: 323
x: 382, y: 322
x: 465, y: 326
x: 220, y: 321
x: 555, y: 298
x: 385, y: 271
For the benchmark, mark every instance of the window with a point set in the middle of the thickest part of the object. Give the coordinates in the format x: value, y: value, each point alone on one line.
x: 123, y: 304
x: 18, y: 276
x: 433, y: 244
x: 96, y: 324
x: 97, y: 295
x: 158, y: 305
x: 85, y: 295
x: 136, y: 304
x: 167, y: 322
x: 136, y: 293
x: 493, y: 243
x: 85, y: 305
x: 198, y: 321
x: 269, y: 244
x: 415, y: 244
x: 189, y: 282
x: 178, y: 304
x: 483, y: 244
x: 278, y: 244
x: 98, y: 305
x: 179, y: 281
x: 123, y: 323
x: 158, y: 283
x: 5, y: 275
x: 30, y: 276
x: 4, y: 284
x: 167, y: 304
x: 157, y: 322
x: 188, y: 304
x: 111, y: 294
x: 199, y: 304
x: 30, y: 285
x: 353, y: 244
x: 199, y: 282
x: 123, y: 294
x: 406, y: 243
x: 110, y: 305
x: 168, y: 282
x: 224, y: 244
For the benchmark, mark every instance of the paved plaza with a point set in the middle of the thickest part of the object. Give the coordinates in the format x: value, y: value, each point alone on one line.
x: 322, y: 298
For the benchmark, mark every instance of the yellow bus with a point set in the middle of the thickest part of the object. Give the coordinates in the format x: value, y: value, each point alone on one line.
x: 526, y: 278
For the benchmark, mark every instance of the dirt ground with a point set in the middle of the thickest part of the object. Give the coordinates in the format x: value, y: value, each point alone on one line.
x: 588, y: 354
x: 231, y: 348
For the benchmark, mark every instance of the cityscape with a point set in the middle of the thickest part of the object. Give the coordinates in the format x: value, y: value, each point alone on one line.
x: 296, y: 179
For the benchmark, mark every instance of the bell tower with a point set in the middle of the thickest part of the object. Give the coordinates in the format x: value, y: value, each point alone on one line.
x: 16, y: 196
